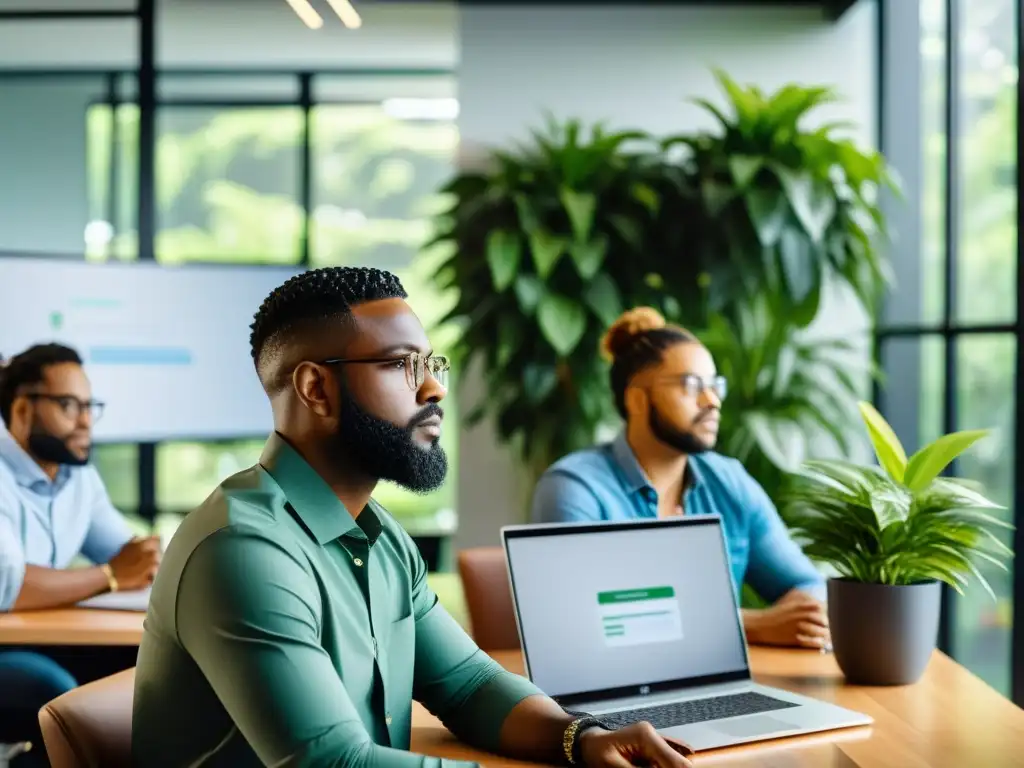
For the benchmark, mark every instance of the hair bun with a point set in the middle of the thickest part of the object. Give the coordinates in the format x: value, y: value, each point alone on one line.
x: 630, y: 324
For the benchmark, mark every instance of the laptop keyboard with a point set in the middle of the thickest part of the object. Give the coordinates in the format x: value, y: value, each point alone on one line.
x: 698, y: 710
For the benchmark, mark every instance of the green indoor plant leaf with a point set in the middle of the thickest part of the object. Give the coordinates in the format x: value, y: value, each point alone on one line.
x: 646, y: 196
x: 716, y: 195
x: 510, y: 336
x: 768, y: 210
x: 719, y: 115
x: 873, y: 528
x: 891, y: 505
x: 628, y: 230
x: 528, y: 290
x: 799, y: 266
x: 744, y: 168
x: 929, y: 462
x: 546, y: 249
x: 504, y: 252
x: 589, y: 256
x: 583, y: 210
x: 602, y: 296
x: 562, y: 322
x: 580, y: 207
x: 526, y: 213
x: 811, y: 200
x: 539, y: 381
x: 887, y: 446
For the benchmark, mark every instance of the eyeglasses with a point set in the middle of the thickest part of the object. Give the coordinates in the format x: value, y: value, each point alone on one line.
x: 415, y: 365
x: 71, y: 406
x: 694, y: 385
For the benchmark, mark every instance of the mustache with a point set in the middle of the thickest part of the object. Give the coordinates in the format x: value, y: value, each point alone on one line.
x: 706, y: 414
x: 431, y: 411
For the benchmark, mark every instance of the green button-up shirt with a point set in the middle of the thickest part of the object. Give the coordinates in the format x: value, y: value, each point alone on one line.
x: 281, y: 631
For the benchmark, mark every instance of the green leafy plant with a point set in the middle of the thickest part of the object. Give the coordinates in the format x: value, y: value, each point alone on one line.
x: 548, y: 245
x: 901, y: 522
x: 767, y: 205
x: 790, y: 394
x: 555, y: 237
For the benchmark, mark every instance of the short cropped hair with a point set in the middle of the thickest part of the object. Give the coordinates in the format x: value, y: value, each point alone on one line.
x: 29, y: 368
x: 310, y: 299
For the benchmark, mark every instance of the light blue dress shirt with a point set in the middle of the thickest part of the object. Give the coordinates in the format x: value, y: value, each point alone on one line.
x: 48, y: 523
x: 608, y: 483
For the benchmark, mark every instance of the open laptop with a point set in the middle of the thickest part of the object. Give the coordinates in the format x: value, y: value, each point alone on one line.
x: 639, y: 621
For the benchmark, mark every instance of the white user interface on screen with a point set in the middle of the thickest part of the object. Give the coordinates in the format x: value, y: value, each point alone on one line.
x: 625, y: 606
x: 166, y: 348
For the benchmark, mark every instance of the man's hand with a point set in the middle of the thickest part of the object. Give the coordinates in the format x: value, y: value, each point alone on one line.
x: 135, y: 565
x: 797, y: 619
x: 637, y: 744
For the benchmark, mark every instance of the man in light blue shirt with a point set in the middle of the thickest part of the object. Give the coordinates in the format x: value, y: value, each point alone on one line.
x: 53, y: 508
x: 667, y: 388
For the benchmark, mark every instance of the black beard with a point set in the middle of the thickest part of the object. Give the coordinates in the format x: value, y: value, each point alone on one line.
x: 683, y: 441
x: 386, y: 452
x: 50, y: 448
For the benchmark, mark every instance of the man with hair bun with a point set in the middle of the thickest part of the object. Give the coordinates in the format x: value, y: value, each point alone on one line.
x: 667, y: 389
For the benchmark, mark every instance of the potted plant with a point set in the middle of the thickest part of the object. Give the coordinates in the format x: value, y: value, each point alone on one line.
x: 547, y: 244
x: 893, y: 533
x: 790, y: 393
x: 768, y: 203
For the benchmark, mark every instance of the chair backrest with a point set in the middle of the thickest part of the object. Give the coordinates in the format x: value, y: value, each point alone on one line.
x: 91, y: 726
x: 489, y: 598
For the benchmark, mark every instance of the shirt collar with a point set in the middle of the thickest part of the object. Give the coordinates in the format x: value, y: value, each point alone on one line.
x: 312, y: 500
x: 27, y: 473
x: 635, y: 475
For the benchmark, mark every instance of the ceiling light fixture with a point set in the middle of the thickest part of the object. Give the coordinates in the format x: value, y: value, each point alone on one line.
x: 347, y: 13
x: 307, y: 13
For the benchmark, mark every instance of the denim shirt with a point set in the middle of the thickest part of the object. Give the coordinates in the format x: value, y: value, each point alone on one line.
x: 607, y: 483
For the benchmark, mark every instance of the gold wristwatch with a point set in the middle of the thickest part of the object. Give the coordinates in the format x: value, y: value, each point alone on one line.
x: 571, y: 737
x: 111, y: 579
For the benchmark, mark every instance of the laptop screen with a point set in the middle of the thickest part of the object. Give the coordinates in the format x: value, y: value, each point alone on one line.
x: 610, y: 608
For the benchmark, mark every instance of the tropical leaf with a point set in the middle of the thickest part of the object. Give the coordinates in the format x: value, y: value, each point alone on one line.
x: 925, y: 465
x: 872, y: 527
x: 887, y: 446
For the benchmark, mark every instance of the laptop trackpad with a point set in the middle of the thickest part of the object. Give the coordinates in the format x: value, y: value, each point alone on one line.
x: 754, y: 725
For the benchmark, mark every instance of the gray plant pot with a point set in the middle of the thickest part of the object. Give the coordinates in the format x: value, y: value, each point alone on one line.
x: 883, y: 635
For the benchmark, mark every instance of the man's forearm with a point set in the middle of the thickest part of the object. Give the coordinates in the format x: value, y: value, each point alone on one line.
x: 53, y: 588
x: 534, y: 729
x: 751, y: 624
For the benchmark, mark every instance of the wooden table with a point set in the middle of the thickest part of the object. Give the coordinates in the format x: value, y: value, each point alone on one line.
x: 71, y: 626
x: 950, y: 719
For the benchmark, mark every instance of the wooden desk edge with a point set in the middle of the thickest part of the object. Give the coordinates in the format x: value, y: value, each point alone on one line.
x: 71, y: 626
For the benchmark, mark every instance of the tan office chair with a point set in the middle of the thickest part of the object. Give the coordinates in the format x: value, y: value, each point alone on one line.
x: 488, y: 598
x: 91, y: 726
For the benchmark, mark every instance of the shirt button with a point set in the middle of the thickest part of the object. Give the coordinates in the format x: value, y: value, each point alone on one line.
x: 357, y: 561
x: 387, y: 720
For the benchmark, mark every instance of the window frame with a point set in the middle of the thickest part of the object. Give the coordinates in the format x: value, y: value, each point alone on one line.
x: 901, y: 139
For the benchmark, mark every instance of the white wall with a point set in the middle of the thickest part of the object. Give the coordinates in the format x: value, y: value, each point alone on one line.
x: 633, y: 67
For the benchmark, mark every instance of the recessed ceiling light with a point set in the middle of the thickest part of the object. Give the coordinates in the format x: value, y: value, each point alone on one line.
x: 307, y: 13
x: 347, y: 13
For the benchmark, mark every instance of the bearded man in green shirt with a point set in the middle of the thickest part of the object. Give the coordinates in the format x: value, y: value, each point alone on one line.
x: 291, y: 623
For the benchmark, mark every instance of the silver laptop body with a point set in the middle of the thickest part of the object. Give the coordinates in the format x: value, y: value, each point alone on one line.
x: 638, y: 620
